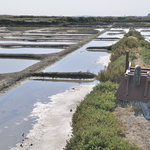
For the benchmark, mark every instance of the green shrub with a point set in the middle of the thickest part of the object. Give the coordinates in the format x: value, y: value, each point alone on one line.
x: 146, y: 55
x: 114, y: 71
x: 98, y: 138
x: 125, y: 43
x: 134, y: 33
x: 94, y: 126
x: 144, y: 43
x: 106, y: 86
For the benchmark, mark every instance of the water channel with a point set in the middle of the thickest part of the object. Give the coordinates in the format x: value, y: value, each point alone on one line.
x: 82, y: 60
x: 145, y: 32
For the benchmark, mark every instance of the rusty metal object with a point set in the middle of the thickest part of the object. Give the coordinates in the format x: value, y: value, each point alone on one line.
x: 134, y: 85
x: 129, y: 92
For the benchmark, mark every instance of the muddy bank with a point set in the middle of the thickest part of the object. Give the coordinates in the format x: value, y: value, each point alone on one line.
x: 100, y: 48
x: 23, y: 56
x: 64, y: 75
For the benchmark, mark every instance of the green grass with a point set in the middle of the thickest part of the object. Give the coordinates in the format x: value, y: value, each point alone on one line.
x: 145, y: 52
x: 146, y: 55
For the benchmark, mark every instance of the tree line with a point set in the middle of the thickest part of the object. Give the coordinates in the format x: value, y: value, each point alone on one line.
x: 7, y: 20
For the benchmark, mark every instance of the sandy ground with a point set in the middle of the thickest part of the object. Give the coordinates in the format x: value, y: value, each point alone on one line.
x: 136, y: 127
x: 53, y: 126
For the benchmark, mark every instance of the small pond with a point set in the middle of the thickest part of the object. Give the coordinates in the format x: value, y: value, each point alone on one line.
x: 15, y: 65
x: 111, y: 33
x: 29, y: 50
x: 145, y: 32
x: 107, y: 35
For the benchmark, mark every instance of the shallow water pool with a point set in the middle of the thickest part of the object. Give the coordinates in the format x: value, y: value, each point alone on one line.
x: 29, y: 50
x: 15, y: 65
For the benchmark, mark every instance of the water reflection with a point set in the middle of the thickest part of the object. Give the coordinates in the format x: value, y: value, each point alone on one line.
x: 115, y: 33
x: 107, y: 35
x: 100, y: 29
x: 100, y: 43
x: 80, y: 60
x: 120, y: 29
x: 29, y: 50
x: 15, y: 65
x: 145, y: 32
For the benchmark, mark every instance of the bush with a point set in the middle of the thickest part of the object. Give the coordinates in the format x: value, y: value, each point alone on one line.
x: 146, y: 55
x: 99, y: 138
x: 134, y: 33
x: 114, y: 71
x: 116, y: 67
x: 145, y: 44
x: 94, y: 126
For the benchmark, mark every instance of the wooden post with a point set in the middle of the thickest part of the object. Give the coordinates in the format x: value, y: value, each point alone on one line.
x: 127, y: 60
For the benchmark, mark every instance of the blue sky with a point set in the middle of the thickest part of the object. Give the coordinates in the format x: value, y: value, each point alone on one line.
x: 75, y: 7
